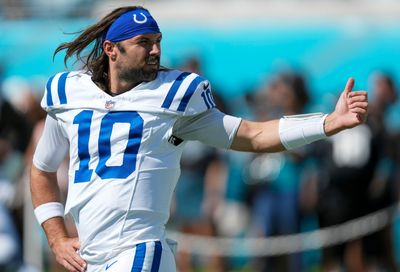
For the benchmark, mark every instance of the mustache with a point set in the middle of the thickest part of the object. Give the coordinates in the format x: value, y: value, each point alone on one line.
x: 152, y: 59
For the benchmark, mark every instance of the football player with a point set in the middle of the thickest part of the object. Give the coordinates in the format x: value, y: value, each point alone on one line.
x: 124, y: 120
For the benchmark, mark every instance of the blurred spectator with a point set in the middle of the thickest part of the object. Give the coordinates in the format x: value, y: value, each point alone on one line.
x: 382, y: 192
x: 20, y: 112
x: 26, y: 113
x: 13, y: 125
x: 276, y: 178
x: 10, y: 257
x: 14, y: 137
x: 356, y: 179
x: 199, y: 192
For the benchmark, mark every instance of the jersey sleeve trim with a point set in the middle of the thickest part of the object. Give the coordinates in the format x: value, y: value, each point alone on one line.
x: 174, y: 89
x: 61, y: 88
x: 189, y: 92
x: 55, y: 90
x: 180, y: 92
x: 43, y: 167
x: 49, y: 98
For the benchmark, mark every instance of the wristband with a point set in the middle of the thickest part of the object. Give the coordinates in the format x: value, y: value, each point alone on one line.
x: 48, y: 210
x: 299, y: 130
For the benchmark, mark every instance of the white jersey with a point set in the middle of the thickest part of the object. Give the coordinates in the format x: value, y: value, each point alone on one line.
x: 124, y: 152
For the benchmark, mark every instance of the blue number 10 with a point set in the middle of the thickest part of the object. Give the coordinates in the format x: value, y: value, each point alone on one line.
x: 84, y: 120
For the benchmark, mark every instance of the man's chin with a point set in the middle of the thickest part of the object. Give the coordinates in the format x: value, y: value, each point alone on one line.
x: 151, y: 74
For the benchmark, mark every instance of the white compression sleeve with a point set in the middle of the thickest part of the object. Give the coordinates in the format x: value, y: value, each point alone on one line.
x: 48, y: 210
x: 298, y: 130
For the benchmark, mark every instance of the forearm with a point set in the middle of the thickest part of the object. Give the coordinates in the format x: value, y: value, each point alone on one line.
x: 287, y: 133
x: 258, y: 137
x: 44, y: 187
x: 55, y: 229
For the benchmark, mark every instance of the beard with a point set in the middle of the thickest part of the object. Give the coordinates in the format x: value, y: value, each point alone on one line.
x: 138, y: 75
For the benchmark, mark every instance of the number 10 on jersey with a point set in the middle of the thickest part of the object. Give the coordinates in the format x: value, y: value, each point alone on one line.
x: 84, y: 122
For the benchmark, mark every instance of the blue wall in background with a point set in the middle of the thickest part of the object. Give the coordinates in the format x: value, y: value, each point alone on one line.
x: 236, y: 57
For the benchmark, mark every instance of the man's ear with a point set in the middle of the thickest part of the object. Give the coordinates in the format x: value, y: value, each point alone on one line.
x: 109, y: 50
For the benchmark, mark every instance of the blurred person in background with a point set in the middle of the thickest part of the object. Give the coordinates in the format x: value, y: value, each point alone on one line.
x: 14, y: 137
x: 199, y: 191
x: 10, y: 250
x: 355, y: 179
x: 276, y: 178
x: 13, y: 124
x: 122, y: 119
x: 383, y: 190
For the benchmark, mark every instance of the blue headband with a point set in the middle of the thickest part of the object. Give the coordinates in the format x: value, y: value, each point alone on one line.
x: 131, y: 24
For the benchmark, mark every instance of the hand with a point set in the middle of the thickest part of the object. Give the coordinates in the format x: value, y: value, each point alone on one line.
x: 350, y: 111
x: 65, y: 250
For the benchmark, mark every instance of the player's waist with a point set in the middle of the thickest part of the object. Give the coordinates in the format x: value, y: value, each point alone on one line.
x: 98, y: 254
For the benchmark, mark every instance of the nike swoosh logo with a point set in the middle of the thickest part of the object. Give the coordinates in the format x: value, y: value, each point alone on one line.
x: 206, y: 86
x: 109, y: 265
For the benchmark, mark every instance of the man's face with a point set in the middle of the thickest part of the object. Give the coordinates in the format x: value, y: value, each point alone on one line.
x: 139, y: 58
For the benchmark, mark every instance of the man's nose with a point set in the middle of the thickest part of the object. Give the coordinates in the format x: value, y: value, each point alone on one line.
x: 155, y: 49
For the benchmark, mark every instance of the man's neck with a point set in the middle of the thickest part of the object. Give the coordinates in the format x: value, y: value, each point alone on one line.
x: 121, y: 87
x: 118, y: 86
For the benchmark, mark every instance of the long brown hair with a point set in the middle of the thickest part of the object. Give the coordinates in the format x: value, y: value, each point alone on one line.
x: 96, y: 61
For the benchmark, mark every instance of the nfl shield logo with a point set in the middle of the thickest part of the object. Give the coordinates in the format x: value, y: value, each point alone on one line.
x: 109, y: 104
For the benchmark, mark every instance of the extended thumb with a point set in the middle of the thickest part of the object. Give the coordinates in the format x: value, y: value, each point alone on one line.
x: 349, y: 85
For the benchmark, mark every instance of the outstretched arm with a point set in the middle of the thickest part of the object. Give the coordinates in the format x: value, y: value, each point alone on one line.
x: 350, y: 111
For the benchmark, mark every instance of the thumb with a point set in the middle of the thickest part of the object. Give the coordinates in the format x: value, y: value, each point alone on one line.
x: 349, y: 86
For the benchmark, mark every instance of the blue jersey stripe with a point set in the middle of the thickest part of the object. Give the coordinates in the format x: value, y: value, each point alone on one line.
x: 174, y: 88
x: 210, y: 98
x: 155, y: 266
x: 189, y: 92
x: 139, y: 257
x: 61, y: 88
x: 205, y: 98
x: 49, y: 98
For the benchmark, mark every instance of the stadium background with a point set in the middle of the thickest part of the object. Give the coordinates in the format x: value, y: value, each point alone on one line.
x: 240, y: 43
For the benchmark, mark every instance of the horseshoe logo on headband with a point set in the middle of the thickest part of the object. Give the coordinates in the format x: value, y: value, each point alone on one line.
x: 144, y: 20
